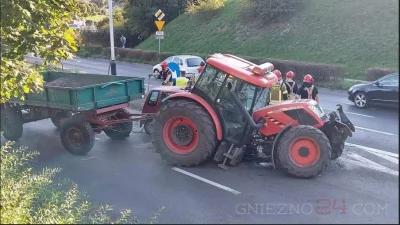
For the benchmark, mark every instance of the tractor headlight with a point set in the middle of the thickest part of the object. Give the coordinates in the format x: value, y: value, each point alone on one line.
x: 317, y: 110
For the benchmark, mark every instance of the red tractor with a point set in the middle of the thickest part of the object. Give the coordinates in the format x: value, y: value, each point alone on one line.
x: 225, y: 116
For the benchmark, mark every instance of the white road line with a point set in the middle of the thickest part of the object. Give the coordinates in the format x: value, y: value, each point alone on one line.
x: 207, y: 181
x: 370, y: 163
x: 351, y: 113
x: 376, y: 131
x: 381, y: 152
x: 347, y: 103
x: 362, y: 164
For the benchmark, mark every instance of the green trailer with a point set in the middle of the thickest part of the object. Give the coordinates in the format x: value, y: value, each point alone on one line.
x: 79, y: 105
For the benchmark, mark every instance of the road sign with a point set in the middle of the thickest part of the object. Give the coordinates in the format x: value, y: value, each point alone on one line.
x: 159, y: 14
x: 159, y: 24
x: 160, y: 33
x: 159, y: 37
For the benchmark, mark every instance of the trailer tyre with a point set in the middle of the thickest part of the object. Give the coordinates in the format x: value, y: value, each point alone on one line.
x: 184, y: 133
x: 148, y: 126
x: 77, y: 135
x: 304, y: 151
x: 56, y: 120
x: 121, y: 130
x: 11, y: 124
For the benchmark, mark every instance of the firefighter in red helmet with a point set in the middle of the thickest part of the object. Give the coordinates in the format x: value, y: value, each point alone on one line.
x: 291, y: 86
x: 307, y: 89
x: 166, y: 74
x: 278, y: 91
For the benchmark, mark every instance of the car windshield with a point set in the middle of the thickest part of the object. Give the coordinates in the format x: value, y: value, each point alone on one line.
x: 193, y: 62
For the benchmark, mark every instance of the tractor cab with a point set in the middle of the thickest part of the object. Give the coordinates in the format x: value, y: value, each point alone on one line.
x: 229, y: 85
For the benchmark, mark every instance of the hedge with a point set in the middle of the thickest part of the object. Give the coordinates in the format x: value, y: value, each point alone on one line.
x: 373, y: 74
x: 320, y: 72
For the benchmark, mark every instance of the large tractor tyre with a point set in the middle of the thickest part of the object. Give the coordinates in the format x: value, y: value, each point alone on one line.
x: 149, y: 126
x: 337, y: 150
x: 120, y: 131
x: 184, y: 133
x: 304, y: 151
x: 12, y: 124
x: 77, y: 135
x: 56, y: 120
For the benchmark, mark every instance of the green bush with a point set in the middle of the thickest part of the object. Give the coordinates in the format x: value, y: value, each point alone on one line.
x: 93, y: 49
x: 204, y: 6
x: 270, y: 9
x: 29, y: 197
x: 373, y: 74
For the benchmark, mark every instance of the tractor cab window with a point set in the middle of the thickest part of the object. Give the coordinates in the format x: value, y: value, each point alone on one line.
x: 209, y: 83
x: 234, y: 120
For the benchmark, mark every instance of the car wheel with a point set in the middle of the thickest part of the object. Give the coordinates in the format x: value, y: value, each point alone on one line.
x: 360, y: 100
x: 157, y: 72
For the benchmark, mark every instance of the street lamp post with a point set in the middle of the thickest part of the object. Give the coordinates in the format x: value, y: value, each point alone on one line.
x: 113, y: 65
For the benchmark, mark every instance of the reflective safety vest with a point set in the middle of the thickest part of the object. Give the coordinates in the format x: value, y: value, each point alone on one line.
x: 181, y: 81
x: 291, y: 95
x: 276, y: 93
x: 309, y: 91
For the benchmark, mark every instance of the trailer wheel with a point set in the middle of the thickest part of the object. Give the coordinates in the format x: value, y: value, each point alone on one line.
x: 77, y: 135
x: 337, y: 150
x: 120, y: 131
x: 11, y: 123
x: 56, y: 120
x: 148, y: 126
x: 184, y: 133
x: 304, y: 151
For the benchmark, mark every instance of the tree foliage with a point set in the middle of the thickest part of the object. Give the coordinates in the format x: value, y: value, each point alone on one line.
x: 204, y: 6
x: 33, y: 26
x: 30, y: 197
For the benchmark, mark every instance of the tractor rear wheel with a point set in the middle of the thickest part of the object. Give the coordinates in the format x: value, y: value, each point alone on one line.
x: 304, y: 151
x: 184, y: 133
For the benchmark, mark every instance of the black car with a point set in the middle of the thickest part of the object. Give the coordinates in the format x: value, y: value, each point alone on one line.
x: 385, y: 91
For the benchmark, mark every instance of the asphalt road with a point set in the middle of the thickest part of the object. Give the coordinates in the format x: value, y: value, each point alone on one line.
x: 360, y: 187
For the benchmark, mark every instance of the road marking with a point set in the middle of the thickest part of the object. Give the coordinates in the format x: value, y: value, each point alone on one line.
x: 362, y: 164
x: 207, y: 181
x: 351, y: 113
x: 376, y: 131
x: 347, y: 103
x: 392, y: 157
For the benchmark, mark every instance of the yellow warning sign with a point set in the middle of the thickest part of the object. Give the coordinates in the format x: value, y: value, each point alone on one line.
x: 159, y: 14
x: 159, y: 24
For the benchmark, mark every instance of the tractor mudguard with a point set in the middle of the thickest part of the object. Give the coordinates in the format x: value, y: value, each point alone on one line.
x: 287, y: 127
x: 202, y: 102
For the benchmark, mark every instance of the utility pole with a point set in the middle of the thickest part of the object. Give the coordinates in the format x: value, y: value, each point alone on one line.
x: 113, y: 65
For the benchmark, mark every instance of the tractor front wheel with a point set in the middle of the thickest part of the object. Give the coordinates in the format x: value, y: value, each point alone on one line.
x: 304, y: 151
x: 337, y: 150
x: 184, y: 133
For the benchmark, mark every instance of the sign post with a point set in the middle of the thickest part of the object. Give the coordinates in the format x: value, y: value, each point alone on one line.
x: 160, y: 24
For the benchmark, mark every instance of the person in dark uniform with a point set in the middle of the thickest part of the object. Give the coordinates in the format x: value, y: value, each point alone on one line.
x: 166, y: 74
x: 307, y: 89
x: 291, y: 86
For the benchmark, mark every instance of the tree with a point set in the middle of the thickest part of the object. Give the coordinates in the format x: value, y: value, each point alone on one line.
x: 33, y: 26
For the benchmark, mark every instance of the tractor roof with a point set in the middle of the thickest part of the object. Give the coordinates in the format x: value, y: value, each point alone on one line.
x: 172, y: 89
x: 241, y: 69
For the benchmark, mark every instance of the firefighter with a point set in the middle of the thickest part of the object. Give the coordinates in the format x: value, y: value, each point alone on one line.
x: 307, y: 90
x: 199, y: 70
x: 166, y: 74
x: 291, y: 86
x: 278, y: 91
